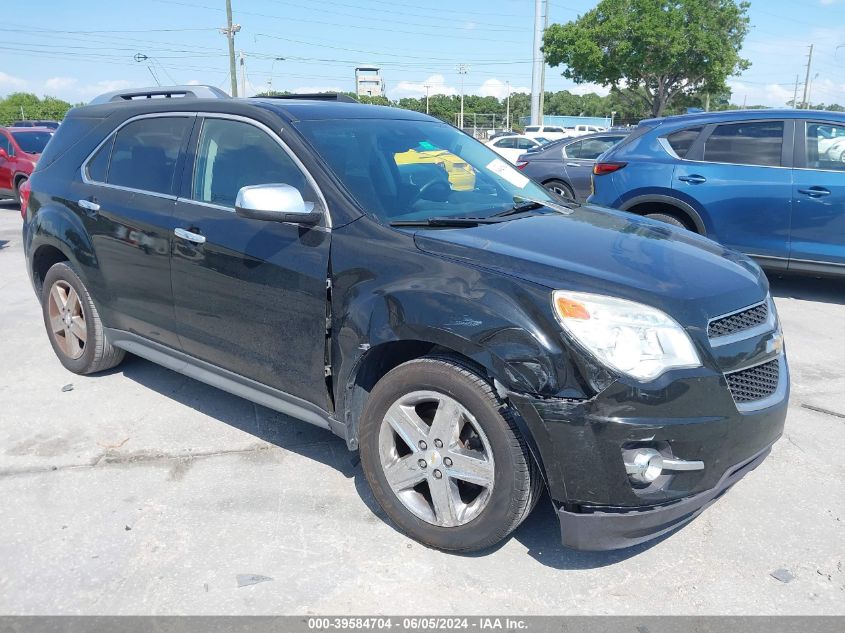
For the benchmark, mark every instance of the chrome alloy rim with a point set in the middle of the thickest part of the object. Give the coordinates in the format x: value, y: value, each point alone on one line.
x: 67, y: 320
x: 436, y: 458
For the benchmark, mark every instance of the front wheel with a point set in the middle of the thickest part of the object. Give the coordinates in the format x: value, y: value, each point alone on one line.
x: 444, y: 458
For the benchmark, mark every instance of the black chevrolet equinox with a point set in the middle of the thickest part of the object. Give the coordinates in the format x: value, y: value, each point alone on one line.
x: 379, y: 273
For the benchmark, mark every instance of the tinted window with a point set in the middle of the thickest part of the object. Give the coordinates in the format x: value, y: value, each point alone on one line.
x: 573, y: 150
x: 524, y: 143
x: 145, y: 153
x: 32, y: 142
x: 508, y: 143
x: 4, y: 143
x: 681, y: 141
x: 758, y: 143
x: 98, y: 167
x: 592, y: 148
x: 532, y: 128
x: 825, y: 146
x: 233, y: 154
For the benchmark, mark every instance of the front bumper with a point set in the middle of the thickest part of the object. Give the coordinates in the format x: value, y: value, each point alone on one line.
x: 691, y: 415
x: 604, y: 530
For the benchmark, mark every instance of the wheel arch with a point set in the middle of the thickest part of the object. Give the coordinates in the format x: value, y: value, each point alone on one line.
x: 666, y: 203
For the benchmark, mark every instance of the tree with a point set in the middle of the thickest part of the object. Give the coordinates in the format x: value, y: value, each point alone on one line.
x: 25, y: 105
x: 659, y: 49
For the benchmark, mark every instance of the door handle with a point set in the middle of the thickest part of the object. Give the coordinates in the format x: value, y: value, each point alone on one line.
x: 573, y: 164
x: 91, y: 207
x: 815, y: 192
x: 693, y: 179
x: 196, y: 238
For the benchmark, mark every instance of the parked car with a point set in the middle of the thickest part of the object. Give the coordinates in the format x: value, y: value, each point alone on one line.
x: 764, y: 182
x: 566, y: 167
x: 550, y: 132
x: 53, y: 125
x: 511, y: 147
x: 473, y: 346
x: 498, y: 134
x: 20, y: 149
x: 583, y: 129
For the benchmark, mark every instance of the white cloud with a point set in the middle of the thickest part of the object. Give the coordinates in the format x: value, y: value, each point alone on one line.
x: 585, y: 89
x: 470, y: 26
x: 828, y: 2
x: 499, y: 89
x: 59, y: 84
x: 8, y: 82
x: 437, y: 86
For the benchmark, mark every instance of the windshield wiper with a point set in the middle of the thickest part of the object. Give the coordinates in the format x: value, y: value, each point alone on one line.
x: 519, y: 207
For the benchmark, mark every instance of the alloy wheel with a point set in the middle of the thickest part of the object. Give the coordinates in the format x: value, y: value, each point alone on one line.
x: 436, y: 458
x: 67, y: 319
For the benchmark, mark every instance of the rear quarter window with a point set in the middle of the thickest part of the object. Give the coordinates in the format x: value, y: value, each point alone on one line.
x: 682, y: 140
x: 68, y: 134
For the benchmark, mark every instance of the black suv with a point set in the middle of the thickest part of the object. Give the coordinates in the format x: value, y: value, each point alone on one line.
x: 475, y: 337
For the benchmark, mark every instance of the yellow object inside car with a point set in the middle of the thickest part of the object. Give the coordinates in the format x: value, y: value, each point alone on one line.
x: 461, y: 175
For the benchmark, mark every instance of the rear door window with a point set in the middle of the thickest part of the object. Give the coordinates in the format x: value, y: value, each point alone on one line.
x: 525, y: 143
x: 508, y: 142
x: 682, y: 140
x: 825, y: 146
x: 145, y: 154
x: 573, y: 150
x: 751, y: 143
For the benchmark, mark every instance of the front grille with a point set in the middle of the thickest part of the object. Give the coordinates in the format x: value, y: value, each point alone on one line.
x: 738, y: 322
x: 754, y: 383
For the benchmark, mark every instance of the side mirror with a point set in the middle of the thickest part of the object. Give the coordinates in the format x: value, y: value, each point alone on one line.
x: 4, y: 155
x: 275, y: 203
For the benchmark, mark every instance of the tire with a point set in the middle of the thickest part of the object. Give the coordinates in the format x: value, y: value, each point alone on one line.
x: 561, y: 188
x: 73, y: 324
x: 479, y: 516
x: 668, y: 219
x: 18, y: 186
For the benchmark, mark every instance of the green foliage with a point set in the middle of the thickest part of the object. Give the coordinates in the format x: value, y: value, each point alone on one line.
x: 659, y: 50
x: 20, y: 105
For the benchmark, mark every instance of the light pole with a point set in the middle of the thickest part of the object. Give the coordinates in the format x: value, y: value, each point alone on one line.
x: 508, y: 109
x: 426, y: 97
x: 612, y: 114
x: 272, y: 68
x: 462, y: 71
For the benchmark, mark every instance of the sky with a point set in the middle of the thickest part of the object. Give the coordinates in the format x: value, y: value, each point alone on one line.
x: 77, y: 49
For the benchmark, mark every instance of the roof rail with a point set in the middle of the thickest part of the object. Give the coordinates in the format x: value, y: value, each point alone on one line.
x: 160, y: 92
x: 313, y: 96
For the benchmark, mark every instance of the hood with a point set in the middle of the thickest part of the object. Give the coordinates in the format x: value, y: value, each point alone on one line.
x: 613, y: 253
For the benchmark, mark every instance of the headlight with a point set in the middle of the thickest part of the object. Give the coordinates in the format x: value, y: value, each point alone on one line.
x: 632, y: 338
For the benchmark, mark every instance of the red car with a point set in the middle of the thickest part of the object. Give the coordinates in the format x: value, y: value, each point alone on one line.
x: 20, y: 149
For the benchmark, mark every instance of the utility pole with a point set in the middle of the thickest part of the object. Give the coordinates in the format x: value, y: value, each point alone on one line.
x: 229, y: 32
x: 810, y: 90
x: 508, y: 109
x: 707, y: 102
x: 426, y: 97
x: 462, y: 71
x: 537, y: 71
x: 543, y: 71
x: 795, y: 94
x: 807, y: 78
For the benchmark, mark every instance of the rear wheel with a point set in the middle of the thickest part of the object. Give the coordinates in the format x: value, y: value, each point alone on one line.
x: 561, y: 188
x: 444, y: 458
x: 18, y: 185
x: 73, y: 323
x: 668, y: 219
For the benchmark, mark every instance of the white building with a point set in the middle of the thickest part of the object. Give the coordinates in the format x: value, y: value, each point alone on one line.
x: 368, y: 82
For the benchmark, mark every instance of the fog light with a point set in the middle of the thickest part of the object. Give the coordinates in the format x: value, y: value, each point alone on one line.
x: 645, y: 465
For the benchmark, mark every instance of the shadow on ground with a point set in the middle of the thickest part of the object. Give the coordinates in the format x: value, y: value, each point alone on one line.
x: 826, y: 290
x: 540, y: 533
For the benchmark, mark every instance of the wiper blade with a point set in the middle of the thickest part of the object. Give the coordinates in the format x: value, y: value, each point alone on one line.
x: 519, y: 207
x: 444, y: 221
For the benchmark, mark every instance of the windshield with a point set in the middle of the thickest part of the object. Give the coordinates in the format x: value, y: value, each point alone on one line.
x: 32, y: 142
x: 409, y: 170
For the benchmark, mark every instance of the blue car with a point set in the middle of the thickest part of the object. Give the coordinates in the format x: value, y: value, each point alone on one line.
x: 769, y: 183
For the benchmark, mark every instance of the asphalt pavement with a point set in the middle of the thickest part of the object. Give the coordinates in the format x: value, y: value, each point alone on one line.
x: 141, y: 491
